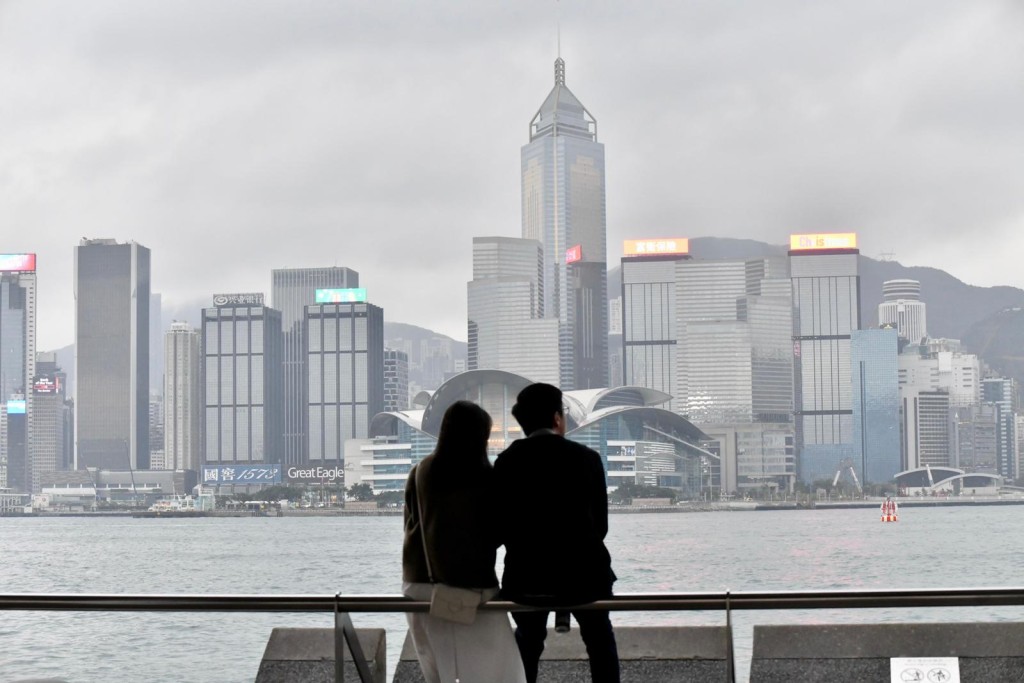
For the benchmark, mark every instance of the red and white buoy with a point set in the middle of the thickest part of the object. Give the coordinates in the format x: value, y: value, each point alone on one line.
x: 890, y: 510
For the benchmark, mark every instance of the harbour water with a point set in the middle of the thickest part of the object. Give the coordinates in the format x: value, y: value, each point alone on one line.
x: 712, y: 551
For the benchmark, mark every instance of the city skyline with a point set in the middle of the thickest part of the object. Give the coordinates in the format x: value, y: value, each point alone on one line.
x: 740, y: 121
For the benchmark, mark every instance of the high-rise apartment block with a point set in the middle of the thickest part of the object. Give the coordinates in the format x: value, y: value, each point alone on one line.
x: 902, y: 308
x: 183, y: 396
x: 507, y: 328
x: 345, y: 358
x: 292, y: 289
x: 563, y: 208
x: 396, y: 380
x: 112, y: 305
x: 242, y: 385
x: 17, y: 366
x: 826, y: 302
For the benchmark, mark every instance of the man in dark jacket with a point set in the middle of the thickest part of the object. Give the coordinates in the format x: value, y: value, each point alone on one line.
x: 553, y: 520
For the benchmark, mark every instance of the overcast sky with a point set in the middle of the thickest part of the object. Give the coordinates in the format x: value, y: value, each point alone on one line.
x: 232, y: 137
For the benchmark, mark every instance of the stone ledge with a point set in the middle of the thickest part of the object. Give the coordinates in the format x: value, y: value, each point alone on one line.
x: 306, y: 655
x: 647, y: 654
x: 861, y: 652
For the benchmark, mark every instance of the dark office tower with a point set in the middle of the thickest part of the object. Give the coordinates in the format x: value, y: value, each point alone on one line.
x: 649, y: 312
x: 51, y: 386
x: 17, y: 364
x: 47, y: 450
x: 396, y: 380
x: 826, y: 303
x: 156, y: 348
x: 242, y: 387
x: 345, y: 349
x: 563, y: 205
x: 292, y: 290
x: 112, y: 354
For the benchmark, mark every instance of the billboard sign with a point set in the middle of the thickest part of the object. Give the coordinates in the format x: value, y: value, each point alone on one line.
x: 658, y: 246
x: 17, y: 263
x: 574, y: 254
x: 16, y: 406
x: 837, y: 240
x: 245, y: 299
x: 316, y: 474
x: 46, y: 385
x: 242, y: 475
x: 340, y: 296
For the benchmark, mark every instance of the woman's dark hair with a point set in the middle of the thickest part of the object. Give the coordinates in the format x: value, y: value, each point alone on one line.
x: 465, y: 429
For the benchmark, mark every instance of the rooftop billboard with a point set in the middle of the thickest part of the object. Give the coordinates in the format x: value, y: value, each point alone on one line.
x: 340, y: 296
x: 244, y: 299
x: 835, y: 240
x: 16, y: 406
x: 657, y: 246
x: 17, y: 263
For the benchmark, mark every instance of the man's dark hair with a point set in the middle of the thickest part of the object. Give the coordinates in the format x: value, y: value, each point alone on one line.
x: 536, y: 406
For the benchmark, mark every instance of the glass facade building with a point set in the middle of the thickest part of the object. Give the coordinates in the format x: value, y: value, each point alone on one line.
x: 563, y: 208
x: 345, y: 362
x: 292, y: 289
x: 876, y: 404
x: 826, y: 302
x: 649, y: 330
x: 112, y: 305
x: 242, y: 383
x: 1002, y: 393
x: 182, y: 398
x: 734, y: 322
x: 506, y: 326
x: 17, y: 368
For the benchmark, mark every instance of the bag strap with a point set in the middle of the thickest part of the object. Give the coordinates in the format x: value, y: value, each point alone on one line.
x: 423, y: 529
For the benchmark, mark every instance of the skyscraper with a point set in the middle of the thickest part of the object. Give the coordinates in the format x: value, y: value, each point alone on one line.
x: 903, y: 308
x: 242, y: 390
x: 563, y: 208
x: 396, y: 380
x: 17, y: 364
x: 826, y: 301
x: 182, y: 398
x: 507, y: 330
x: 345, y: 350
x: 292, y: 289
x: 876, y: 405
x: 112, y: 306
x: 1002, y: 393
x: 649, y: 312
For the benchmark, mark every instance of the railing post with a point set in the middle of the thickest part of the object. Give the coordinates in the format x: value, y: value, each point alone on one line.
x: 730, y: 671
x: 345, y: 632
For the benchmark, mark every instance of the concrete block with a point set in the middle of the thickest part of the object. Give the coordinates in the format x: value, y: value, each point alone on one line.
x: 861, y: 652
x: 647, y: 654
x: 306, y: 655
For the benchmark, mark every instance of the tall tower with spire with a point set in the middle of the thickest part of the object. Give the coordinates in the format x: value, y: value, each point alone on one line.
x: 563, y: 208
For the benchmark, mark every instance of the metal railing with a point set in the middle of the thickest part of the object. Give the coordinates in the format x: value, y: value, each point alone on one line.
x: 342, y: 606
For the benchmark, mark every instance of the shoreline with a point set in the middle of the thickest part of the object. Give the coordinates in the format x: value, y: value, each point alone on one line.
x: 730, y: 506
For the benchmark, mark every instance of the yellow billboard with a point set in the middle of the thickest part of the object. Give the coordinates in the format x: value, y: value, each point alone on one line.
x: 835, y: 240
x: 657, y: 246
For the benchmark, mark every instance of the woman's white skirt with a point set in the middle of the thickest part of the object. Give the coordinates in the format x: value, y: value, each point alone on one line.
x: 482, y: 652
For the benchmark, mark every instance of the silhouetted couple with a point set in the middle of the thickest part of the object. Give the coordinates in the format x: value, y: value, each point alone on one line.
x: 546, y: 501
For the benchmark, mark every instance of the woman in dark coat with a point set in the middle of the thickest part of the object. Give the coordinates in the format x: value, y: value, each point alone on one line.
x: 453, y: 489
